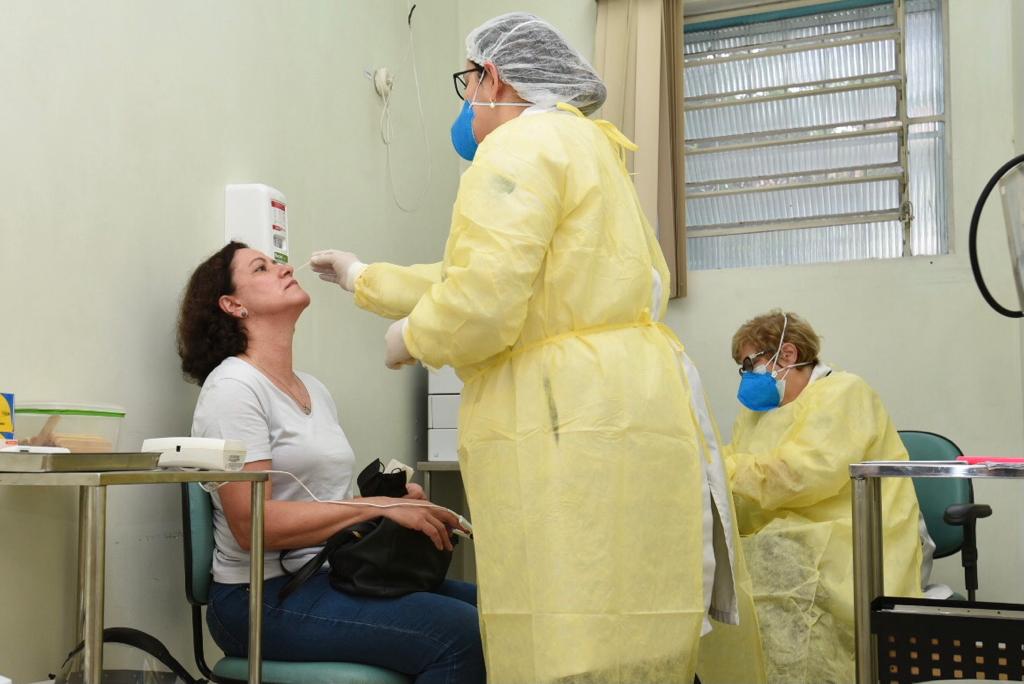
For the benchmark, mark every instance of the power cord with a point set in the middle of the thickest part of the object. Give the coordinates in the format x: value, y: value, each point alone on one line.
x: 387, y: 130
x: 211, y: 487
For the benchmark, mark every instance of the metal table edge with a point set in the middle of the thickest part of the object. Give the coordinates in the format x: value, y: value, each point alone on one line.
x: 128, y: 477
x: 955, y: 469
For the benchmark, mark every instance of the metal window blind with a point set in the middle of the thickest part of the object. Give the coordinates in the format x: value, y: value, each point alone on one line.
x: 816, y: 138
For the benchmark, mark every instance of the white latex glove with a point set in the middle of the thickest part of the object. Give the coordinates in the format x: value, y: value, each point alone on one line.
x: 335, y: 266
x: 396, y: 354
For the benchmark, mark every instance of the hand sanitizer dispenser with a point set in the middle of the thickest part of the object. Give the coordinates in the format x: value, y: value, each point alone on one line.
x: 257, y: 215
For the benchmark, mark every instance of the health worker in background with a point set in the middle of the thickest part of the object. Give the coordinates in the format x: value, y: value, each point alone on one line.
x: 802, y: 425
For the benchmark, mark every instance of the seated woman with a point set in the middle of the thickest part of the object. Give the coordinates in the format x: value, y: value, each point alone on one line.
x: 802, y: 426
x: 235, y: 335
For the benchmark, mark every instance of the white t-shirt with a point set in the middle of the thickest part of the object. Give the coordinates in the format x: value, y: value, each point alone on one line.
x: 239, y: 402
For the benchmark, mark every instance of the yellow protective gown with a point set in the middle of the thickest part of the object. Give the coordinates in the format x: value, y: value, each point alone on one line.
x: 578, y: 445
x: 733, y: 654
x: 791, y: 482
x: 734, y: 627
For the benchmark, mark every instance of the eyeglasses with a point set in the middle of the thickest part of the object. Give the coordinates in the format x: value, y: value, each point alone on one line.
x: 461, y: 82
x: 748, y: 363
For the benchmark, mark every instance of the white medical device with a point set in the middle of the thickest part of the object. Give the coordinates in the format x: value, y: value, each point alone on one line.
x: 1010, y: 179
x: 257, y: 215
x: 1011, y: 188
x: 26, y: 449
x: 201, y: 453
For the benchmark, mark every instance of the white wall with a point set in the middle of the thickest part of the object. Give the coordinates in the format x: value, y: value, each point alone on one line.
x: 916, y: 329
x: 122, y: 122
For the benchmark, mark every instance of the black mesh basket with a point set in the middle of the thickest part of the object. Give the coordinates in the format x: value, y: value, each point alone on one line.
x: 920, y: 640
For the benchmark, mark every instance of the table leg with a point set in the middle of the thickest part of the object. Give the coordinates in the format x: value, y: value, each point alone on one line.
x: 867, y: 571
x: 83, y: 534
x: 94, y: 510
x: 256, y: 586
x: 426, y: 484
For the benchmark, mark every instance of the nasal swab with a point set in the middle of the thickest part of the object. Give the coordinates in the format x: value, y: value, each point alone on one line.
x: 303, y: 266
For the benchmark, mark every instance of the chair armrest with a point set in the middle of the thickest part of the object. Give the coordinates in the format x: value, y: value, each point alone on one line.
x: 966, y: 513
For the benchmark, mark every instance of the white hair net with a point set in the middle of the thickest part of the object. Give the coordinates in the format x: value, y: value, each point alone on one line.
x: 535, y: 59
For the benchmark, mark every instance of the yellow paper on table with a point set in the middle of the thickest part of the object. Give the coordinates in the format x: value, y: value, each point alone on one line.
x: 6, y: 417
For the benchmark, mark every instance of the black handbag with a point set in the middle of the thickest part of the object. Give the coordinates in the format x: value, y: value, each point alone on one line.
x: 377, y: 557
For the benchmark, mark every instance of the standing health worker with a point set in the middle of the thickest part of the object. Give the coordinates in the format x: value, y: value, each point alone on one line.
x: 580, y: 449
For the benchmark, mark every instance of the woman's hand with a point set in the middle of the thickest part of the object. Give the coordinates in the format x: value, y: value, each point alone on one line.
x: 415, y: 492
x: 431, y: 520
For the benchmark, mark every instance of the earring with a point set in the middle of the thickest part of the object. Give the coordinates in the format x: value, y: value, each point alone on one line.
x: 492, y: 104
x: 243, y: 313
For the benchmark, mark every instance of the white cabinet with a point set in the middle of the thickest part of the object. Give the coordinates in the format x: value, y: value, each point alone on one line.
x: 442, y: 444
x: 443, y: 399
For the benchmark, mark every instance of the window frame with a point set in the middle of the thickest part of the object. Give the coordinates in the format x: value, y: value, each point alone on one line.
x: 901, y: 122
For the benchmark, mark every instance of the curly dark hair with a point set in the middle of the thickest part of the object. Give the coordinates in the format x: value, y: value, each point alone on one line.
x: 206, y: 334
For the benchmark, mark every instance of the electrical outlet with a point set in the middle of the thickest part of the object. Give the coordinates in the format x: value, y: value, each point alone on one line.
x: 382, y: 82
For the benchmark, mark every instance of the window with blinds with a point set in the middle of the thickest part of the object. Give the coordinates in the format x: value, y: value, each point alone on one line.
x: 816, y: 135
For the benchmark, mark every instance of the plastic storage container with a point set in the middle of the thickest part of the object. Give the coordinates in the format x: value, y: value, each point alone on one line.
x: 927, y: 640
x: 86, y: 428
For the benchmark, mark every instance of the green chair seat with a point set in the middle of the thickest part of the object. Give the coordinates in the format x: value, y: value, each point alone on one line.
x: 278, y: 672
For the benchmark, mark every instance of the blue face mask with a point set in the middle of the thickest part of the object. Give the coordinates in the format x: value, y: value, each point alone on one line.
x: 463, y: 139
x: 760, y: 391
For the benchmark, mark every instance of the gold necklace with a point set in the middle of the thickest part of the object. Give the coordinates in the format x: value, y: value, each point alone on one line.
x: 306, y: 408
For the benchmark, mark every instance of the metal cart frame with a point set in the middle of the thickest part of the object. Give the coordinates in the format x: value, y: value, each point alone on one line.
x: 868, y: 583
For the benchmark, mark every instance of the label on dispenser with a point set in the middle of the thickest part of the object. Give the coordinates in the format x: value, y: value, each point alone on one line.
x: 277, y: 213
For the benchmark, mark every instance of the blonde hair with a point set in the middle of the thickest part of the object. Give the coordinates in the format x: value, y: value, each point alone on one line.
x: 763, y: 332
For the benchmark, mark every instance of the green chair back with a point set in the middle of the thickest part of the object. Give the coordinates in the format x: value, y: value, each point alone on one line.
x: 935, y: 494
x: 197, y: 526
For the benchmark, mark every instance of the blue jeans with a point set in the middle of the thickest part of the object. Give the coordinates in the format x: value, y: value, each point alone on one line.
x: 431, y: 636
